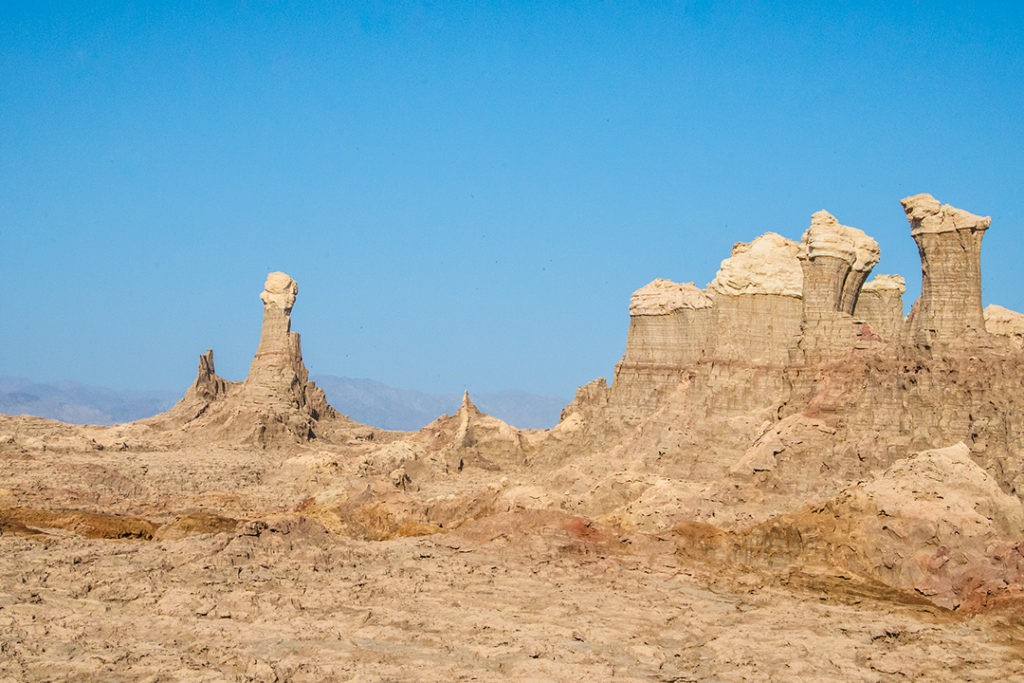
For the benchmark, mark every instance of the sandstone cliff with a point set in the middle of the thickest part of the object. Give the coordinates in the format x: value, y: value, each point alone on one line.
x: 793, y: 375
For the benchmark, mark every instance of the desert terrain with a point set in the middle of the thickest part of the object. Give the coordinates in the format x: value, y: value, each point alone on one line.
x: 786, y: 479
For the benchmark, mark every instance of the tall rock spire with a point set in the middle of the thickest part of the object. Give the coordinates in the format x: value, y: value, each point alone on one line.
x: 949, y: 242
x: 276, y: 400
x: 836, y: 260
x: 274, y: 375
x: 278, y: 383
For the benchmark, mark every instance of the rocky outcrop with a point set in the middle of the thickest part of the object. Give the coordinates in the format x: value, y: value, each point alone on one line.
x: 278, y: 381
x: 670, y: 324
x: 935, y: 524
x: 207, y: 389
x: 949, y: 241
x: 836, y: 260
x: 471, y: 438
x: 276, y: 402
x: 757, y: 294
x: 1005, y: 325
x: 767, y: 266
x: 749, y: 314
x: 663, y: 297
x: 839, y: 258
x: 880, y: 306
x: 804, y: 375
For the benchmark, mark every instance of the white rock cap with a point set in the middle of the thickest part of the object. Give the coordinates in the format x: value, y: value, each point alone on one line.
x: 279, y: 291
x: 928, y: 215
x: 1003, y: 321
x: 662, y: 297
x: 828, y: 237
x: 880, y: 283
x: 768, y: 265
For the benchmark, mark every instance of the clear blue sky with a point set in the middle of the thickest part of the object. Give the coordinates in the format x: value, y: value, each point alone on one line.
x: 467, y: 193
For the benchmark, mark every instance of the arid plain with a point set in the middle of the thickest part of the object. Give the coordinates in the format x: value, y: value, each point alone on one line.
x: 786, y: 479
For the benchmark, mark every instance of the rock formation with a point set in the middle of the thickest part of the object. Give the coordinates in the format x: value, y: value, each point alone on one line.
x: 780, y: 437
x: 278, y: 381
x: 207, y: 388
x: 757, y: 301
x: 949, y: 241
x: 748, y: 315
x: 880, y: 306
x: 471, y: 438
x: 836, y: 260
x: 670, y: 323
x: 1002, y: 323
x: 805, y: 376
x: 933, y: 524
x: 277, y: 400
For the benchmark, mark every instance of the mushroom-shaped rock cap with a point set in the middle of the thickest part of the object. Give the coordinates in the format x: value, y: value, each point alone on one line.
x: 279, y: 291
x: 768, y: 265
x: 927, y: 215
x: 828, y: 237
x: 662, y: 297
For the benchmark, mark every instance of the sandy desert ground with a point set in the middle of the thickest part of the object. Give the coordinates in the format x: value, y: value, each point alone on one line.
x: 200, y: 564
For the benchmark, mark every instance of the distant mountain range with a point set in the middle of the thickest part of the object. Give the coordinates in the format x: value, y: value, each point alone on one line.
x: 364, y: 400
x: 383, y: 406
x: 80, y: 403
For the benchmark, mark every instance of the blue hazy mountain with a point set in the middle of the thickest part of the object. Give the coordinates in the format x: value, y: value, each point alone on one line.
x: 365, y: 400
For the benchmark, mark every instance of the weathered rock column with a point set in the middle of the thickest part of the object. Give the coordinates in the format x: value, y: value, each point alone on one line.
x: 276, y: 403
x: 866, y: 255
x: 836, y: 260
x: 273, y: 374
x: 756, y: 297
x: 208, y: 385
x: 949, y: 242
x: 669, y: 324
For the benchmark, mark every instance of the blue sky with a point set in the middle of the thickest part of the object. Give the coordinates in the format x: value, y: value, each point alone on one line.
x: 467, y: 193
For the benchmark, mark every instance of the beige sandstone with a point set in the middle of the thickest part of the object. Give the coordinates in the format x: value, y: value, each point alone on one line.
x: 1006, y: 324
x: 767, y: 265
x: 880, y: 305
x: 949, y: 241
x: 276, y: 399
x: 662, y: 297
x: 785, y: 480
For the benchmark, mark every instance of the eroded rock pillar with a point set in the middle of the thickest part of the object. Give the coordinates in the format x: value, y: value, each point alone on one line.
x: 866, y: 254
x: 275, y: 369
x: 836, y: 260
x: 949, y: 241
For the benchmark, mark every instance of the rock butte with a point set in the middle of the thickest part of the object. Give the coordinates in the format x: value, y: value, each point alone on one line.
x: 784, y: 435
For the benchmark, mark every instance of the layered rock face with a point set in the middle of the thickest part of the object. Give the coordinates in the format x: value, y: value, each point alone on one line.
x: 1005, y: 325
x: 805, y: 375
x: 277, y: 400
x: 749, y: 314
x: 471, y: 438
x: 757, y: 300
x: 934, y: 523
x: 836, y: 260
x: 880, y: 305
x: 670, y: 324
x: 949, y: 241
